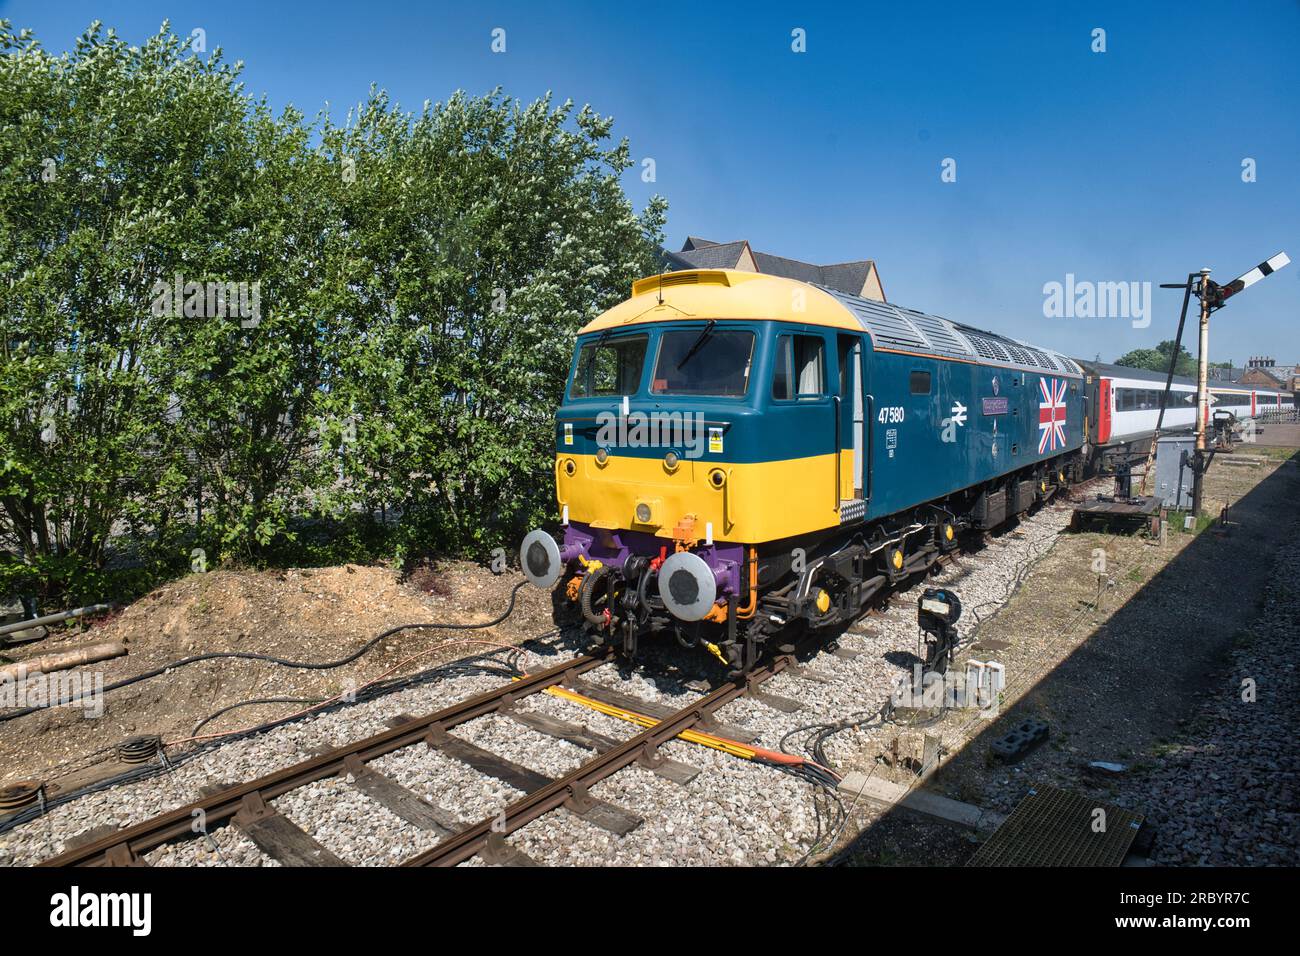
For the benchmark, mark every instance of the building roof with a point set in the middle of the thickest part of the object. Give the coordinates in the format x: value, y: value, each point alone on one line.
x: 712, y: 255
x: 1273, y: 373
x: 697, y: 253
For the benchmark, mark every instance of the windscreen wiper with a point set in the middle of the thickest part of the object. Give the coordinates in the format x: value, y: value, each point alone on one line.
x: 704, y: 335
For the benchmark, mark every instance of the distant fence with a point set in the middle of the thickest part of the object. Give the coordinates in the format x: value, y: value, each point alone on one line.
x: 1277, y: 416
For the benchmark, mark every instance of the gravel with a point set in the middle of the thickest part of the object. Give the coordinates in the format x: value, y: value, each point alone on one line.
x: 1226, y: 792
x: 735, y: 812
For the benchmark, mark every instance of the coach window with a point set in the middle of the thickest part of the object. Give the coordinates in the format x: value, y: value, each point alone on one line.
x: 920, y: 383
x: 800, y: 367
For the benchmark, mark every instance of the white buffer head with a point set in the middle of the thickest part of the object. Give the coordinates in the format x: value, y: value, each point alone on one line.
x: 687, y: 586
x: 539, y: 556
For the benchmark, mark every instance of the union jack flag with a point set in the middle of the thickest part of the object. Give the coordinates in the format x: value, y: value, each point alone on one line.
x: 1051, y: 414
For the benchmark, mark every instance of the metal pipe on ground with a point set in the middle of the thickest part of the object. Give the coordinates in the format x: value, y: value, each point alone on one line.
x: 63, y: 660
x: 54, y: 618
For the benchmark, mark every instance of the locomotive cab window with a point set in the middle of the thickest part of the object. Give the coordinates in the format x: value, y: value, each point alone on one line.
x: 609, y: 367
x: 705, y: 361
x: 800, y: 367
x: 920, y: 383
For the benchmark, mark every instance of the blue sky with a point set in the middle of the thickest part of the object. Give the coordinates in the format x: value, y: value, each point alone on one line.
x: 1117, y: 166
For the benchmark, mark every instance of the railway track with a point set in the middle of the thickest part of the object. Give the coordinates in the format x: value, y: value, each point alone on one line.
x: 249, y: 805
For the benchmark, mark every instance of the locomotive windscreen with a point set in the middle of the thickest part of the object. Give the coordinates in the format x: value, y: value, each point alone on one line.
x: 609, y: 366
x: 708, y: 362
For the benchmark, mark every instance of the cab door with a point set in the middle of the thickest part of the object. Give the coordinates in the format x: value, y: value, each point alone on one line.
x: 851, y: 429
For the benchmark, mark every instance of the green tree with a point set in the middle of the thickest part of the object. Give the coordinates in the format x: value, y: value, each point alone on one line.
x: 1157, y: 359
x: 418, y: 281
x: 113, y: 172
x: 487, y: 232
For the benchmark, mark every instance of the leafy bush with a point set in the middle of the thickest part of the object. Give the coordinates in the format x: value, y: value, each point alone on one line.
x: 374, y: 319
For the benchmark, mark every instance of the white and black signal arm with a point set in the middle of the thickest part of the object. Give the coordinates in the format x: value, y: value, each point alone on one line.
x: 1219, y: 294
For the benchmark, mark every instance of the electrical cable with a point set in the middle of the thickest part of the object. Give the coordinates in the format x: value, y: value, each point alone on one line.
x: 477, y: 665
x: 485, y: 663
x: 248, y: 655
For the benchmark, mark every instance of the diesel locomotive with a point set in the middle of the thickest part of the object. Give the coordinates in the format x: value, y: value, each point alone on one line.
x: 739, y: 456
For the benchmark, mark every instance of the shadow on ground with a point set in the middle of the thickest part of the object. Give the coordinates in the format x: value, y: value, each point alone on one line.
x: 1139, y: 677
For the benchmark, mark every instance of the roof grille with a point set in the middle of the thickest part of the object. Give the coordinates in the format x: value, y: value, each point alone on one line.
x: 1042, y: 358
x: 670, y: 279
x: 888, y: 325
x: 1018, y: 354
x: 988, y: 348
x: 905, y: 330
x: 943, y: 337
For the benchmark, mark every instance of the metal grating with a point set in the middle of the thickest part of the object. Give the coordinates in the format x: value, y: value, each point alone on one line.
x: 1042, y: 358
x: 1052, y: 827
x: 907, y: 330
x: 943, y: 337
x: 988, y: 348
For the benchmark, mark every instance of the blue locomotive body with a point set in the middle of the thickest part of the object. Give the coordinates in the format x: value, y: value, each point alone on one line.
x: 975, y: 423
x: 738, y: 452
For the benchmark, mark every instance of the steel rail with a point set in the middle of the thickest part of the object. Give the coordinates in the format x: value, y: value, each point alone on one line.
x: 124, y: 846
x: 572, y: 790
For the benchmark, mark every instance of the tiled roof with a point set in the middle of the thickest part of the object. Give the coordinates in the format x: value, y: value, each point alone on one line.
x: 718, y: 255
x: 699, y: 253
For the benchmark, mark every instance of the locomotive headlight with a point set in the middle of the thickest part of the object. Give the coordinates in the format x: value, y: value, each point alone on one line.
x: 717, y: 477
x: 570, y: 467
x: 602, y: 456
x: 671, y: 461
x: 643, y: 513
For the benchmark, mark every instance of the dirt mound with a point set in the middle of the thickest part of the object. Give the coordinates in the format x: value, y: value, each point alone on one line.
x: 316, y: 614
